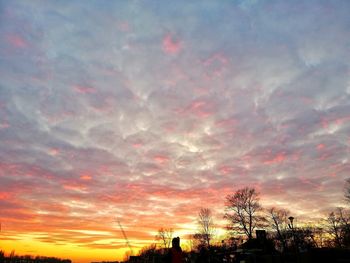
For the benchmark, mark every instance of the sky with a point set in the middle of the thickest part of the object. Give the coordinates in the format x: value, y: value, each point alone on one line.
x: 144, y: 111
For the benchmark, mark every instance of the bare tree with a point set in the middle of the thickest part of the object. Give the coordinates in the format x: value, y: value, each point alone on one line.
x: 334, y: 228
x: 278, y: 219
x: 205, y: 225
x: 164, y: 236
x: 243, y: 211
x: 347, y: 190
x: 339, y: 227
x: 305, y: 237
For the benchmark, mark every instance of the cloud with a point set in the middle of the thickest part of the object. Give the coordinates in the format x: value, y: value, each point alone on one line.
x: 171, y: 45
x: 124, y: 110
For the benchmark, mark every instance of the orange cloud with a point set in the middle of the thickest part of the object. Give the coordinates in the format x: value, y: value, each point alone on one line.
x: 85, y: 177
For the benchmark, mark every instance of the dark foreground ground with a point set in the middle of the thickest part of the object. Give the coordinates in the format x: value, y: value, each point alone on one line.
x: 317, y: 255
x: 320, y: 255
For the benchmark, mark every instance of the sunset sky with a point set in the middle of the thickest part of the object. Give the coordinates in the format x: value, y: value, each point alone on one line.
x: 145, y: 111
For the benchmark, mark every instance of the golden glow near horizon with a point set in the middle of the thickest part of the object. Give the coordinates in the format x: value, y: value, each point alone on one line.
x: 75, y: 252
x: 28, y: 244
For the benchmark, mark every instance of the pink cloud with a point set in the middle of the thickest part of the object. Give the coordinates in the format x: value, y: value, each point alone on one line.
x: 54, y: 151
x: 171, y: 45
x: 215, y: 65
x: 278, y: 158
x: 4, y: 196
x: 4, y: 125
x: 227, y: 123
x: 84, y: 89
x: 124, y: 26
x: 309, y: 182
x: 161, y: 159
x: 342, y: 121
x: 137, y: 145
x: 17, y: 41
x: 325, y: 155
x: 320, y: 146
x: 326, y: 122
x: 226, y: 170
x: 201, y: 109
x: 74, y: 187
x: 273, y: 188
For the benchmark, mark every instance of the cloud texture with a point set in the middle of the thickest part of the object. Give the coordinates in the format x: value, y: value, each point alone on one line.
x: 144, y: 111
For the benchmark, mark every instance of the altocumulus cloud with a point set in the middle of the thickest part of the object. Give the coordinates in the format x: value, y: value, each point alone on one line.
x: 149, y: 110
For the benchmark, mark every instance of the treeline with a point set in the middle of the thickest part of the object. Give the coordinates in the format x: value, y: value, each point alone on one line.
x: 272, y: 230
x: 244, y: 215
x: 13, y: 258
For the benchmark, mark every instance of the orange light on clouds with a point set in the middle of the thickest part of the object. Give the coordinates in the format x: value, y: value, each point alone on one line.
x: 86, y: 177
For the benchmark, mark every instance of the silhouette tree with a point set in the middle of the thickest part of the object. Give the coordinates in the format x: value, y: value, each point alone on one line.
x: 165, y: 236
x: 305, y: 237
x: 347, y: 190
x: 243, y: 211
x: 278, y: 220
x: 317, y: 234
x: 334, y: 228
x: 339, y: 227
x: 148, y: 251
x: 2, y: 256
x: 205, y: 225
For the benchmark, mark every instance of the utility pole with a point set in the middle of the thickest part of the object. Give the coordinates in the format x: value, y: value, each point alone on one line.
x: 296, y: 245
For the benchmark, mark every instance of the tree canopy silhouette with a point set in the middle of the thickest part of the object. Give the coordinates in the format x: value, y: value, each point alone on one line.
x: 165, y: 236
x: 243, y: 211
x: 205, y: 226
